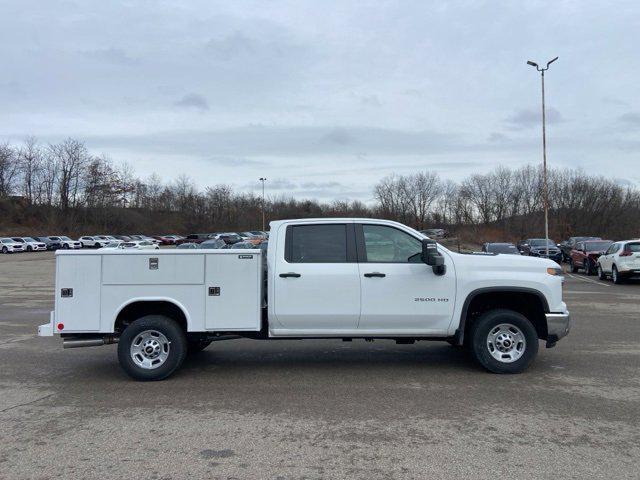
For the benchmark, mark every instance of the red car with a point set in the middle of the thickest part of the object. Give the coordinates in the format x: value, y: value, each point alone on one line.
x: 194, y: 238
x: 585, y: 255
x: 167, y: 239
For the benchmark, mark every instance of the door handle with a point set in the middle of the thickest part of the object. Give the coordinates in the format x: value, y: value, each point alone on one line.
x: 290, y: 274
x: 374, y: 274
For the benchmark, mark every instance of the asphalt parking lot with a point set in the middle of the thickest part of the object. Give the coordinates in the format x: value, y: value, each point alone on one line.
x: 320, y: 409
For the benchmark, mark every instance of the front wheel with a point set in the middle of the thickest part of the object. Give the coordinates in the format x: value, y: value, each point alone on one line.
x: 65, y: 246
x: 152, y: 348
x: 588, y: 267
x: 572, y: 266
x: 504, y: 341
x: 601, y: 274
x: 5, y: 250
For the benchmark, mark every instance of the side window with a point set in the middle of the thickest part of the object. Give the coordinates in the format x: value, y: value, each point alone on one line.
x: 316, y: 243
x: 385, y: 244
x: 613, y: 248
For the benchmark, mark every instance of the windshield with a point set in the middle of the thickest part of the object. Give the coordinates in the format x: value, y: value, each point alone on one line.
x: 597, y: 246
x: 540, y: 242
x: 502, y: 248
x: 65, y: 238
x: 29, y: 239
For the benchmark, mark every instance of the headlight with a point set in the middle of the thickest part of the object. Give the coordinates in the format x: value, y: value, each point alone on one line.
x: 554, y: 270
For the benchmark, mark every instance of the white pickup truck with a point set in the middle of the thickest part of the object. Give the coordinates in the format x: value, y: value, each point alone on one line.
x: 322, y: 278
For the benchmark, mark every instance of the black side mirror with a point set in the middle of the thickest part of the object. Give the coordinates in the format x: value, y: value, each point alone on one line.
x: 431, y: 256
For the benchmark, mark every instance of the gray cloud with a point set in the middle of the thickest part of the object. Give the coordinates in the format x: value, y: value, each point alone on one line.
x: 116, y: 56
x: 630, y: 118
x: 530, y: 118
x: 193, y: 100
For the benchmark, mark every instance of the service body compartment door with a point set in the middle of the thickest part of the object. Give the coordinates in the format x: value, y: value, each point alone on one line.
x: 233, y: 288
x: 78, y: 279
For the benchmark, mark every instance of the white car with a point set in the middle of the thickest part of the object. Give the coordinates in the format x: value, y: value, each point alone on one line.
x: 30, y: 244
x: 92, y: 241
x: 66, y: 242
x: 620, y: 261
x: 9, y: 245
x: 140, y: 245
x: 113, y: 245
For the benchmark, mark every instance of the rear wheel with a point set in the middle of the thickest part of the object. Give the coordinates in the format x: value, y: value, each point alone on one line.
x: 152, y: 348
x: 504, y: 341
x: 572, y: 266
x: 601, y: 274
x: 615, y: 276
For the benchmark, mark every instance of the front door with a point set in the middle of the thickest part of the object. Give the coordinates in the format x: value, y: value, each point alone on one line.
x: 317, y: 287
x: 399, y: 292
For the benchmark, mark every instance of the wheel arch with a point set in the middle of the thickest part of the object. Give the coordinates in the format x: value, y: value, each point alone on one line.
x: 528, y: 301
x: 136, y: 307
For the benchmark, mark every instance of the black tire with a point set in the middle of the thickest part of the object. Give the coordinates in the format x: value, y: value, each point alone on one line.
x: 176, y: 353
x: 195, y: 345
x: 29, y: 249
x: 588, y: 267
x: 65, y: 246
x: 488, y: 322
x: 572, y: 266
x: 5, y: 250
x: 615, y: 276
x: 97, y: 245
x: 601, y: 274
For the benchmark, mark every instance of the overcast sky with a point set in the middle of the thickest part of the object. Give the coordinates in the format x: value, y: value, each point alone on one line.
x: 326, y: 97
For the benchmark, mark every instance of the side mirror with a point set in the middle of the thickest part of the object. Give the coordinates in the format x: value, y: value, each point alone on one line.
x: 431, y: 256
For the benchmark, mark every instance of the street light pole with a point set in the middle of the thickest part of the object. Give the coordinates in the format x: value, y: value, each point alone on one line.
x: 263, y: 179
x: 545, y: 192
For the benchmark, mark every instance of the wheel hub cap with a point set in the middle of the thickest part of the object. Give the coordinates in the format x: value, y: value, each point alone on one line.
x: 150, y: 349
x: 506, y: 343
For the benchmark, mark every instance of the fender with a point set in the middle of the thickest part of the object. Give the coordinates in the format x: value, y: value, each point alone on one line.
x: 459, y: 335
x: 152, y: 299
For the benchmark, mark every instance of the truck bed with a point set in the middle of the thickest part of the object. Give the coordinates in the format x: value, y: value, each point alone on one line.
x: 221, y: 288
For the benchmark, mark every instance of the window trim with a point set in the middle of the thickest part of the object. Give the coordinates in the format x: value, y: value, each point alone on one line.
x: 362, y: 248
x: 351, y: 242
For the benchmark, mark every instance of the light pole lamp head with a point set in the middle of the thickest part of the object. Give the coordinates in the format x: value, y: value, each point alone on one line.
x: 533, y: 64
x: 551, y: 61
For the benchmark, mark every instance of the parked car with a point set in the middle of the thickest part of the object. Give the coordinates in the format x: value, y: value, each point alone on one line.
x: 569, y: 244
x: 508, y: 248
x: 108, y: 238
x: 113, y: 245
x: 213, y: 243
x: 92, y: 241
x: 166, y: 239
x: 434, y: 233
x: 537, y: 247
x: 228, y: 237
x: 51, y: 244
x: 140, y: 245
x: 241, y: 245
x: 66, y: 242
x: 31, y: 244
x: 188, y: 246
x: 585, y: 255
x: 621, y: 261
x: 124, y: 238
x: 194, y: 238
x: 9, y: 245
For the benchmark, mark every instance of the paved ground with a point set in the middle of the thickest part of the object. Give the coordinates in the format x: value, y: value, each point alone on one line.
x: 320, y: 409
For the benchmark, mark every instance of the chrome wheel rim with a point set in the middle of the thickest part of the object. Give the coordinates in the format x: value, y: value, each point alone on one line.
x: 506, y: 343
x: 150, y: 349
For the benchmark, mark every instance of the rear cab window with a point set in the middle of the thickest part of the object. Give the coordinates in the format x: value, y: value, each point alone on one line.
x: 321, y: 243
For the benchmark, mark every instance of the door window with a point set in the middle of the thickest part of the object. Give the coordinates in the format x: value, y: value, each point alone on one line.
x: 384, y: 244
x: 316, y: 243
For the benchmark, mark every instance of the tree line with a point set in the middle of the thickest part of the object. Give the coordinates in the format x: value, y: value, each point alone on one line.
x: 63, y: 187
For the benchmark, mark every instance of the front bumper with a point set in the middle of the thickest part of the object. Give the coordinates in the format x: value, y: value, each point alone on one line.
x: 558, y: 326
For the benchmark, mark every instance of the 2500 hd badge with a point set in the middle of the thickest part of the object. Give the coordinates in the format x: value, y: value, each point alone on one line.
x: 430, y: 299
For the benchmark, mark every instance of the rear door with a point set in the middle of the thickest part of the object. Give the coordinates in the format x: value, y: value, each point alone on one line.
x: 400, y: 293
x: 316, y: 282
